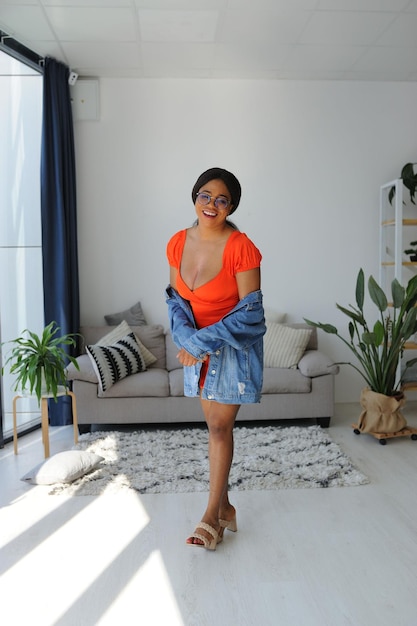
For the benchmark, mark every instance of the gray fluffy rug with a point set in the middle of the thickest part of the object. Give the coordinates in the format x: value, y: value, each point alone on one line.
x: 175, y: 460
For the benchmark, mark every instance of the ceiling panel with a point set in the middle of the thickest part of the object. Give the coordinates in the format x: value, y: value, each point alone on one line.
x: 25, y: 22
x: 169, y: 26
x: 92, y: 24
x: 321, y: 58
x: 402, y: 32
x: 357, y: 28
x: 268, y: 39
x: 282, y: 27
x: 362, y: 5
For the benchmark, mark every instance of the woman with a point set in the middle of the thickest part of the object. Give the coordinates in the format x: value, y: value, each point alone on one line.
x: 217, y: 322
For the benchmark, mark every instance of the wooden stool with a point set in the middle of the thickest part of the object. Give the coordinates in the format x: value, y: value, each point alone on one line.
x: 62, y: 391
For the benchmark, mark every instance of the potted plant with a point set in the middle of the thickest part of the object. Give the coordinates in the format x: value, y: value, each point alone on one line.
x: 409, y: 179
x: 378, y: 348
x: 39, y: 362
x: 412, y: 252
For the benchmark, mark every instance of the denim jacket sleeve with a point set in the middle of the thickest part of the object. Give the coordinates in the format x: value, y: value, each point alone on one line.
x: 181, y: 319
x: 242, y: 327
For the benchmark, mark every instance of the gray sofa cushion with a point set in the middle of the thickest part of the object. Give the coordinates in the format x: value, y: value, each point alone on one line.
x: 172, y: 351
x: 86, y: 371
x: 176, y: 382
x: 314, y: 363
x: 153, y: 337
x: 283, y: 380
x: 276, y: 380
x: 152, y: 383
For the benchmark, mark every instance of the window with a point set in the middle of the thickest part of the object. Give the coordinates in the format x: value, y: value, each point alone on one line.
x: 21, y: 284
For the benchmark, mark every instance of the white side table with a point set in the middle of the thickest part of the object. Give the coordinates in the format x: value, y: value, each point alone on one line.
x: 62, y: 391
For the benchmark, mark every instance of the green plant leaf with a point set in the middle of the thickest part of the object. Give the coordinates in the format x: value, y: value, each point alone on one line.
x: 355, y: 315
x: 328, y: 328
x: 409, y: 179
x: 410, y: 324
x: 370, y: 339
x: 407, y: 171
x: 378, y: 296
x: 398, y: 294
x: 379, y: 332
x: 360, y: 289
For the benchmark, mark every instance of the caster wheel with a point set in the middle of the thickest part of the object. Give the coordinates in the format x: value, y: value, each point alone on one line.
x: 358, y: 432
x: 414, y: 437
x: 383, y: 442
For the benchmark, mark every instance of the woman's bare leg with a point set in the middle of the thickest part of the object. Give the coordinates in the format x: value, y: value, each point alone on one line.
x: 220, y: 420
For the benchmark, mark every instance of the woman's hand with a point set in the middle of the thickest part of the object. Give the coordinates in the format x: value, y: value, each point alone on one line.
x: 187, y: 359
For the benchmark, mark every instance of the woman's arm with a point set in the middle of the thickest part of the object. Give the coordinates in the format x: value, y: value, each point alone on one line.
x: 248, y: 281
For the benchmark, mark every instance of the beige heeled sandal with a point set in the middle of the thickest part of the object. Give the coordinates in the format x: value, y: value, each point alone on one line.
x: 207, y: 544
x: 229, y: 524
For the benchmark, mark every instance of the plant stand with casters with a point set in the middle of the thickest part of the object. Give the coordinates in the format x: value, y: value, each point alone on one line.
x: 407, y: 431
x: 62, y: 391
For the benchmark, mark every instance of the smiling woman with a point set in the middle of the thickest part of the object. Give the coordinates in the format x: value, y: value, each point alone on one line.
x: 217, y: 322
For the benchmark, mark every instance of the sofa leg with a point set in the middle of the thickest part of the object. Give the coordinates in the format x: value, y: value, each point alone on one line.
x: 84, y: 429
x: 324, y: 422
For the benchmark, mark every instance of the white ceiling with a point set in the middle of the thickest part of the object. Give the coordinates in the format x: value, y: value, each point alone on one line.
x: 256, y: 39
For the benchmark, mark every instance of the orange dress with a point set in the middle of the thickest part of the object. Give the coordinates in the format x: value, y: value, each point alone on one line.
x: 211, y: 301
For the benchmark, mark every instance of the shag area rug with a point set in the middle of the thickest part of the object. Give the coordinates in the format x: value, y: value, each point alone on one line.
x: 176, y: 460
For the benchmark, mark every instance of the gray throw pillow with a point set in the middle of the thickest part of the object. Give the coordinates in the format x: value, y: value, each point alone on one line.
x: 133, y: 316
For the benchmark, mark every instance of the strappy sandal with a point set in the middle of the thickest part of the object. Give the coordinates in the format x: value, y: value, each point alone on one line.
x: 207, y: 544
x: 229, y: 524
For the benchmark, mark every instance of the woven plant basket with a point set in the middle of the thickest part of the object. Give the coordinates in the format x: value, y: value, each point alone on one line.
x: 381, y: 414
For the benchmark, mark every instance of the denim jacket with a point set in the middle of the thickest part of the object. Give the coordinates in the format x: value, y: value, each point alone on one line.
x: 234, y: 345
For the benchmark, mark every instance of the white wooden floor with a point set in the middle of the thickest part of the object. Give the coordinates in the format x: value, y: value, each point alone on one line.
x: 306, y: 557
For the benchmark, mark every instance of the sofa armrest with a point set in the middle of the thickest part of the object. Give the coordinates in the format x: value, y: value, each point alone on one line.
x: 86, y: 371
x: 314, y: 363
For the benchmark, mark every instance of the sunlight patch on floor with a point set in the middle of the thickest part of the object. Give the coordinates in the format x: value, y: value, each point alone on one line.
x: 151, y: 592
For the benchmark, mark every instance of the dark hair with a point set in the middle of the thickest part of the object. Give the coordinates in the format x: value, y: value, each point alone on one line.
x: 229, y: 179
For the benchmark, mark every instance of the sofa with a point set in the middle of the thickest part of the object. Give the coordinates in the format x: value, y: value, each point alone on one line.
x: 297, y: 385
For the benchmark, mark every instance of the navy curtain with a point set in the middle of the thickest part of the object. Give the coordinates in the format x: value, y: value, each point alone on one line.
x: 59, y: 214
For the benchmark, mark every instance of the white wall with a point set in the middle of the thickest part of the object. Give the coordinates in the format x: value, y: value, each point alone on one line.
x: 310, y: 156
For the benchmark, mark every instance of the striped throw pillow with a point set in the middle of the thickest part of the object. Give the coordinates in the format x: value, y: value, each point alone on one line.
x: 117, y: 361
x: 284, y: 346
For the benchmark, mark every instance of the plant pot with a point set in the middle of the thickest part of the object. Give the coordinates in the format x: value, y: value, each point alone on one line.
x: 381, y: 414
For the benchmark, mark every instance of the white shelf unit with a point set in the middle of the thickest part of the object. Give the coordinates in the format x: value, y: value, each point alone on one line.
x: 391, y: 235
x: 398, y: 225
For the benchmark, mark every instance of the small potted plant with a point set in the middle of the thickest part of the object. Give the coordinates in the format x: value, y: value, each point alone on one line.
x: 39, y: 361
x: 378, y: 348
x: 409, y: 179
x: 412, y: 252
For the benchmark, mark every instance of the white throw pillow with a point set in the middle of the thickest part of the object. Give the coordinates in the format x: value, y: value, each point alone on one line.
x: 122, y: 330
x: 284, y: 346
x: 64, y: 467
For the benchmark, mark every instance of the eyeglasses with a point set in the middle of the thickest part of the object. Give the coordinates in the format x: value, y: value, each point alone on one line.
x: 220, y: 202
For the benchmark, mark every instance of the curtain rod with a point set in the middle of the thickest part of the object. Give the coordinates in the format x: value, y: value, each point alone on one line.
x: 20, y: 52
